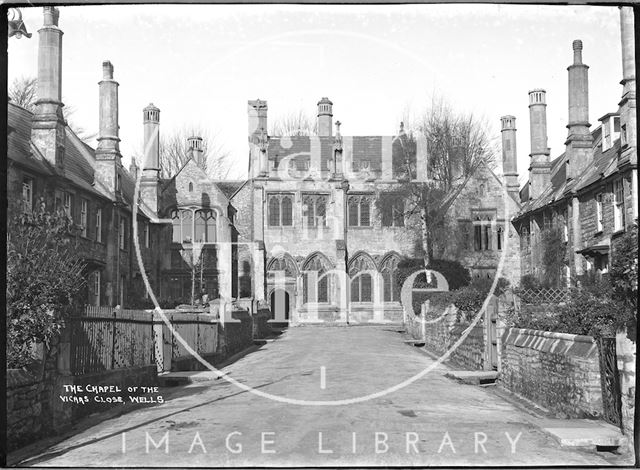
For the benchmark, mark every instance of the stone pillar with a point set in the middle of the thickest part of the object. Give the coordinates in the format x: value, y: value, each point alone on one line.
x: 509, y: 155
x: 626, y: 358
x: 259, y: 273
x: 342, y: 300
x: 540, y: 166
x: 47, y: 130
x: 224, y: 259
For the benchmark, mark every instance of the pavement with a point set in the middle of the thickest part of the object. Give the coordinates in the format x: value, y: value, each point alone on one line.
x: 284, y: 413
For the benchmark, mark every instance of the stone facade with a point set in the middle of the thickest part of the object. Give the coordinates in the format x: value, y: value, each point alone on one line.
x: 558, y: 371
x: 590, y: 191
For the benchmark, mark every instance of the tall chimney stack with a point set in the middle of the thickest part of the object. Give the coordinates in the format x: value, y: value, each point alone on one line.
x: 509, y: 155
x: 579, y: 141
x: 149, y: 183
x: 108, y: 139
x: 47, y: 131
x: 627, y: 106
x: 196, y: 150
x: 325, y: 117
x: 540, y: 167
x: 258, y: 138
x: 108, y: 158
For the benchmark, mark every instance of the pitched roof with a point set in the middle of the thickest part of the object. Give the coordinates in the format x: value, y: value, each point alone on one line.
x: 229, y: 187
x: 603, y: 164
x: 19, y: 141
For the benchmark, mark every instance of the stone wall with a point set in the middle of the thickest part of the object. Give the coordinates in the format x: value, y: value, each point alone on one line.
x: 558, y: 371
x: 26, y: 399
x: 441, y: 334
x: 626, y: 352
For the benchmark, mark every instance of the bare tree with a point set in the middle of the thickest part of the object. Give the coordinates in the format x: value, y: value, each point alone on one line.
x: 24, y: 92
x: 457, y: 145
x: 295, y: 123
x: 175, y: 152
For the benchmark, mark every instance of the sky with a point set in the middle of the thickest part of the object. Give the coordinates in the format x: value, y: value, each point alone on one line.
x: 201, y: 63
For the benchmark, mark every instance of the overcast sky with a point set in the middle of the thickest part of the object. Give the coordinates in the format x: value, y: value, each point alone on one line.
x: 201, y: 63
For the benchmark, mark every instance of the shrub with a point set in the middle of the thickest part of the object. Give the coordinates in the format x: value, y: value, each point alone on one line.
x: 455, y: 273
x: 44, y: 278
x: 530, y: 282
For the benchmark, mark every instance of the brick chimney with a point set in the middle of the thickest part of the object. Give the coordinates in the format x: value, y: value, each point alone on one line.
x: 48, y: 127
x: 108, y: 157
x: 150, y: 181
x: 540, y: 167
x: 509, y: 155
x: 627, y: 106
x: 196, y: 150
x: 578, y: 152
x: 325, y: 117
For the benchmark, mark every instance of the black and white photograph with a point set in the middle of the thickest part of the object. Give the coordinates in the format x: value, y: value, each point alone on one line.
x: 335, y: 235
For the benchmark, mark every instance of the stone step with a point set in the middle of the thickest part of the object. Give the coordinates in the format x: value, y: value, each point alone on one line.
x: 474, y: 377
x: 584, y: 433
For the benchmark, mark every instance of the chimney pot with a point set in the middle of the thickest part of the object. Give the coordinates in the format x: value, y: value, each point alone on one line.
x: 107, y: 70
x: 577, y: 52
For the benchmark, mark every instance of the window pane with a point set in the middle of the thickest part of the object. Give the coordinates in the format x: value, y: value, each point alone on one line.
x: 211, y: 227
x: 187, y: 226
x: 323, y: 288
x: 177, y: 236
x: 355, y: 289
x: 386, y: 286
x: 477, y: 237
x: 353, y: 213
x: 201, y: 226
x: 398, y: 218
x: 274, y: 211
x: 365, y: 288
x: 364, y: 213
x: 321, y: 211
x: 287, y: 211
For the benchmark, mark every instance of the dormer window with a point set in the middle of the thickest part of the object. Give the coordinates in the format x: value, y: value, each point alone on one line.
x: 610, y: 130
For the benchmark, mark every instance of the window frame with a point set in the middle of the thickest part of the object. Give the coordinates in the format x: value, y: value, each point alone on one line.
x: 84, y: 217
x: 599, y: 212
x: 360, y: 200
x: 618, y: 205
x: 99, y: 224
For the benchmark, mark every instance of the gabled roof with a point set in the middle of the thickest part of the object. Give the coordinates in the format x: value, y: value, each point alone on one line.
x: 229, y: 188
x: 19, y: 141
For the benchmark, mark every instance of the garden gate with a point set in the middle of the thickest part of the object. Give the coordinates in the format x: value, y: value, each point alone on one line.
x: 610, y: 380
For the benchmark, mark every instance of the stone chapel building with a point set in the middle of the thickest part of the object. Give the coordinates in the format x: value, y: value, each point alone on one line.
x: 314, y: 233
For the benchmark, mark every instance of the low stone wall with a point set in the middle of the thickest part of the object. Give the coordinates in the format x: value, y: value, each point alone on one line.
x: 558, y: 371
x: 440, y: 335
x: 26, y: 398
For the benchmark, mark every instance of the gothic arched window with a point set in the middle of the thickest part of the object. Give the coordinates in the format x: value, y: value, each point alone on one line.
x: 361, y: 282
x: 315, y: 283
x: 499, y: 237
x: 280, y: 210
x: 390, y: 288
x: 359, y: 210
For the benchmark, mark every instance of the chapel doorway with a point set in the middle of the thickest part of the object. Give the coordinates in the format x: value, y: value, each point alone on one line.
x: 280, y: 305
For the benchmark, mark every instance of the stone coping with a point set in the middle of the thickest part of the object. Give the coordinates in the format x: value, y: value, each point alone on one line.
x: 553, y: 335
x: 551, y: 342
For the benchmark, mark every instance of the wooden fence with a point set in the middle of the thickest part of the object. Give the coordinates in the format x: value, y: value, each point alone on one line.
x: 543, y: 296
x: 106, y: 338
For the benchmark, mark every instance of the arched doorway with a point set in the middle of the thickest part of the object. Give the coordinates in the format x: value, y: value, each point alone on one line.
x: 279, y: 304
